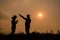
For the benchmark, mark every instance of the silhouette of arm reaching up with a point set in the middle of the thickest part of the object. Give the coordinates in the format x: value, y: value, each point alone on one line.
x: 16, y: 21
x: 22, y: 17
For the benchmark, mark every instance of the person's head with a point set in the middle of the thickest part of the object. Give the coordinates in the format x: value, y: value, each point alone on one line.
x: 14, y: 17
x: 28, y: 16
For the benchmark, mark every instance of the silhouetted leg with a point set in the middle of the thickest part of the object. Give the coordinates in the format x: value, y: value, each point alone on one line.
x: 13, y: 30
x: 27, y: 29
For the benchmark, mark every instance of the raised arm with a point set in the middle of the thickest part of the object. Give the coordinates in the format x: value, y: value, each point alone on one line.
x: 16, y: 21
x: 22, y: 17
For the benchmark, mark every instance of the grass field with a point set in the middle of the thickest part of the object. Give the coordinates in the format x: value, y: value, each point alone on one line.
x: 31, y: 36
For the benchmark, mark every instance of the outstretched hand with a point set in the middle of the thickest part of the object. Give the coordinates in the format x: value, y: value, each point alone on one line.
x: 19, y: 14
x: 16, y: 21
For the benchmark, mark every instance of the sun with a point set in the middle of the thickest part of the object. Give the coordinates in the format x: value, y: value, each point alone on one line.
x: 40, y: 14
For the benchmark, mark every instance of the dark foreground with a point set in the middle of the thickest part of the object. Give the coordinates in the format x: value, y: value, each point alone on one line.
x: 32, y: 36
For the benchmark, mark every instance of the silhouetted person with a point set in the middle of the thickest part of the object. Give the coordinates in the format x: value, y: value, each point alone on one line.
x: 27, y: 23
x: 14, y: 22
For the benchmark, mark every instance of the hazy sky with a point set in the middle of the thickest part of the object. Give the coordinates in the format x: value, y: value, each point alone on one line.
x: 50, y: 19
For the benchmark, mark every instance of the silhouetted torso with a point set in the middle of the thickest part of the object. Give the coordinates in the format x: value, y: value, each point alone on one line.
x: 13, y: 23
x: 28, y: 21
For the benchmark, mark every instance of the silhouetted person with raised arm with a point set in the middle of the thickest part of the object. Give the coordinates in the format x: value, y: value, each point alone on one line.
x: 14, y: 22
x: 27, y: 23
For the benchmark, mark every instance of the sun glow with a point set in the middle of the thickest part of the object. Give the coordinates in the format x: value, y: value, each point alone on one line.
x: 40, y: 14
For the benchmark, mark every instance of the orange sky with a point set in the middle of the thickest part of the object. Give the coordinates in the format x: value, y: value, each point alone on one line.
x: 49, y: 8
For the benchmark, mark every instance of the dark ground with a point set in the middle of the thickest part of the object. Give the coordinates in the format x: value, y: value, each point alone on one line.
x: 32, y: 36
